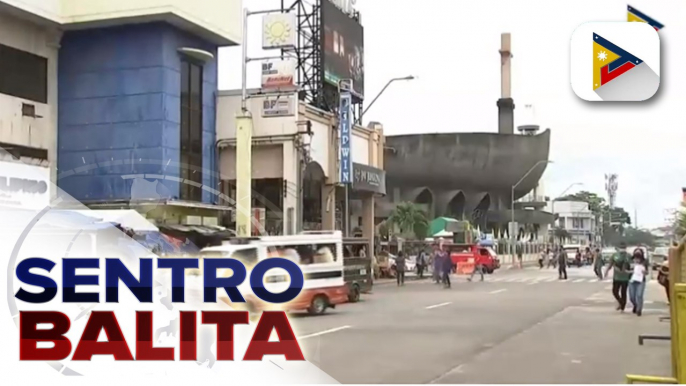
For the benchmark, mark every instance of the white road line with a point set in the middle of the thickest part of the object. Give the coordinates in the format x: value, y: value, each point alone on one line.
x: 523, y: 280
x: 534, y: 282
x: 438, y: 305
x: 511, y: 280
x: 550, y: 280
x: 324, y: 332
x: 579, y: 280
x: 497, y: 279
x: 498, y: 291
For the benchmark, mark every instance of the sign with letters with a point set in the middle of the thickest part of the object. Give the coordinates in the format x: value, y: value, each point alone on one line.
x: 345, y: 127
x: 369, y: 179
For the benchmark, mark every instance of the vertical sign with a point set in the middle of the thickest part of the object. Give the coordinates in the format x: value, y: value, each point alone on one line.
x: 345, y: 126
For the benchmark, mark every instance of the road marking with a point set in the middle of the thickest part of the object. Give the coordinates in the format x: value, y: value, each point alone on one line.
x: 438, y: 305
x: 579, y: 280
x: 552, y: 279
x: 497, y: 279
x: 498, y: 291
x: 533, y: 282
x: 324, y: 332
x: 523, y: 280
x: 511, y: 280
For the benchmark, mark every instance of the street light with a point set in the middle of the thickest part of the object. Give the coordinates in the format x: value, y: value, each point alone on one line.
x: 409, y: 77
x: 552, y: 209
x: 512, y: 230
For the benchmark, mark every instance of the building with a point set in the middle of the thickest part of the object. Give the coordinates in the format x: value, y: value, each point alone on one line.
x: 118, y: 99
x: 295, y: 167
x: 29, y: 44
x: 469, y: 176
x: 577, y: 219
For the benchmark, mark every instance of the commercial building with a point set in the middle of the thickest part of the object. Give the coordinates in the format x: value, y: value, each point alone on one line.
x: 295, y: 167
x: 118, y: 98
x: 577, y: 220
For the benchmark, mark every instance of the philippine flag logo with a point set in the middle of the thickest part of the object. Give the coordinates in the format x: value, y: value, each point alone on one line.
x: 615, y: 61
x: 635, y: 15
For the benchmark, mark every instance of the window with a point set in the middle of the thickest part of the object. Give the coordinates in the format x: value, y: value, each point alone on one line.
x: 577, y: 223
x: 307, y: 253
x: 191, y: 129
x: 23, y: 75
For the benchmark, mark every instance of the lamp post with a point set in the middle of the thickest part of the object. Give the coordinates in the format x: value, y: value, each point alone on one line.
x: 552, y: 204
x: 346, y: 208
x: 359, y: 119
x: 512, y: 230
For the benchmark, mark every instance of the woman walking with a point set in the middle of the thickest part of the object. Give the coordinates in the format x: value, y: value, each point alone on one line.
x: 638, y: 281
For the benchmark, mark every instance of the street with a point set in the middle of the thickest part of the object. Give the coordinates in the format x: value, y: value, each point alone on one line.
x: 518, y: 326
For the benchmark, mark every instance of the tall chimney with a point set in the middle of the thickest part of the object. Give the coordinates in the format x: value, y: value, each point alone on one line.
x: 505, y: 103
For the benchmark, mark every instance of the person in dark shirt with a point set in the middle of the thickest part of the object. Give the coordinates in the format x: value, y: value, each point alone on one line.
x: 400, y: 268
x: 561, y: 263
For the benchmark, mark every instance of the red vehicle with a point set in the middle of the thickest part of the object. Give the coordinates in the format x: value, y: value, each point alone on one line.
x: 477, y: 254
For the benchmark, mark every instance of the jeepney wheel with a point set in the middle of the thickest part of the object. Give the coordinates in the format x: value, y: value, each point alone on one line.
x: 354, y: 295
x: 318, y: 305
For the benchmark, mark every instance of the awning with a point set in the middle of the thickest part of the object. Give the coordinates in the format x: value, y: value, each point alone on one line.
x: 127, y: 218
x: 369, y: 179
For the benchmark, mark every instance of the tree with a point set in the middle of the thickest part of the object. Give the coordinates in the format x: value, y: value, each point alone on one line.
x: 634, y: 236
x: 595, y: 203
x: 561, y: 234
x: 680, y: 221
x: 410, y: 220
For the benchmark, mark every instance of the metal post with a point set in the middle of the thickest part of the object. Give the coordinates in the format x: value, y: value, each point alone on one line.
x: 512, y: 230
x: 244, y: 64
x: 346, y: 211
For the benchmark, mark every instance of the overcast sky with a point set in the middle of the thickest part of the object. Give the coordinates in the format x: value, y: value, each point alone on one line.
x: 452, y: 47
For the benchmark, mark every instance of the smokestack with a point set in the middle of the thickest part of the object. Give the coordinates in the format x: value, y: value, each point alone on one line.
x: 505, y: 103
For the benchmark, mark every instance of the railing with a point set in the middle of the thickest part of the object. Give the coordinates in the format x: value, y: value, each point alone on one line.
x: 677, y: 305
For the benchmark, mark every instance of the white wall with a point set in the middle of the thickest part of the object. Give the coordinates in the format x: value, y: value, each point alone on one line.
x: 46, y: 9
x: 360, y: 150
x: 230, y: 105
x: 26, y: 131
x: 221, y: 17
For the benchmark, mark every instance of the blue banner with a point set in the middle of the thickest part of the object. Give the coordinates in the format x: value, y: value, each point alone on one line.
x: 345, y: 127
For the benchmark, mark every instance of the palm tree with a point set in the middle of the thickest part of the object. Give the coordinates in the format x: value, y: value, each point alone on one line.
x: 410, y: 220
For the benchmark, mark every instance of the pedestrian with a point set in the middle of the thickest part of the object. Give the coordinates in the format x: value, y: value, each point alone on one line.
x: 520, y: 248
x: 400, y: 268
x: 542, y: 258
x: 446, y: 268
x: 588, y: 256
x: 598, y: 264
x: 552, y: 260
x: 421, y: 263
x: 621, y: 275
x: 637, y: 282
x: 438, y: 261
x: 561, y: 263
x: 478, y: 267
x: 663, y: 278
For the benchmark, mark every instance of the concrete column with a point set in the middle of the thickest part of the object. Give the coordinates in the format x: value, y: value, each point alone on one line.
x: 368, y: 222
x: 328, y: 207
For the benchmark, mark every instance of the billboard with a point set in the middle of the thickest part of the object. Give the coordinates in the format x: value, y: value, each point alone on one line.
x: 278, y: 75
x: 343, y: 51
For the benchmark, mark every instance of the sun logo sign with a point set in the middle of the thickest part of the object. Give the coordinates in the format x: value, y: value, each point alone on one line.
x: 278, y: 30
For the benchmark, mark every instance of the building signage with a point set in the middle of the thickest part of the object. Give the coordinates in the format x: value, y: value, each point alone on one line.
x: 345, y: 128
x: 369, y: 179
x: 278, y: 75
x: 282, y: 106
x: 279, y: 30
x: 24, y: 186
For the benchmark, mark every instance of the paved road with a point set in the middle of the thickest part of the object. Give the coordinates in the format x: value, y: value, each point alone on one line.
x: 518, y: 326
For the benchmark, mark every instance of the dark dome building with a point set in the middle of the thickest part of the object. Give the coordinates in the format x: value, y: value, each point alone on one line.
x: 467, y: 176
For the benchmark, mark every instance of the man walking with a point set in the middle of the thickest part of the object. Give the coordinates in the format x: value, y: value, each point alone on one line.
x: 421, y: 263
x: 446, y: 268
x: 561, y: 263
x: 621, y: 275
x: 400, y: 268
x: 438, y: 261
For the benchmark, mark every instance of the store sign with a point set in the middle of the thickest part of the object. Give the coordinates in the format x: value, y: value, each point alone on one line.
x: 369, y: 179
x: 279, y: 30
x: 278, y: 75
x: 283, y: 106
x: 24, y: 186
x: 345, y: 128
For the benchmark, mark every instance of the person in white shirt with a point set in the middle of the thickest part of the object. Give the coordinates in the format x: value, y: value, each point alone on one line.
x: 637, y: 283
